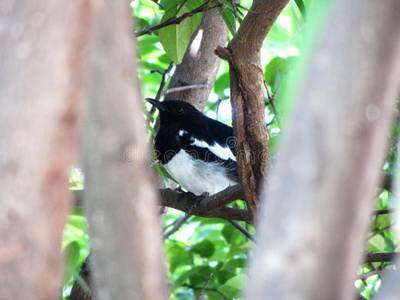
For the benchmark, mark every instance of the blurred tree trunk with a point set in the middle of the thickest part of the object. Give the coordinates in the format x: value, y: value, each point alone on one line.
x: 126, y: 258
x: 315, y: 211
x: 41, y: 49
x: 199, y: 67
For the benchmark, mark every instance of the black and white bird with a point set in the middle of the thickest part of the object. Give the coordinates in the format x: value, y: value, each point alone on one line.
x: 197, y: 151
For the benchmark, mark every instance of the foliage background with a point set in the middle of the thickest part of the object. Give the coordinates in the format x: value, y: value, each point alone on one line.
x: 202, y: 247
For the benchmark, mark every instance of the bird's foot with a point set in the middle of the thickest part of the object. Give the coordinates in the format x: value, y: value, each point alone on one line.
x: 181, y: 193
x: 197, y: 201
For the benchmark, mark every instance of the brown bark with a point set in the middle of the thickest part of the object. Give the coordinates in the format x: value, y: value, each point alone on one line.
x: 125, y: 255
x: 315, y: 211
x: 199, y: 66
x: 41, y: 75
x: 247, y: 95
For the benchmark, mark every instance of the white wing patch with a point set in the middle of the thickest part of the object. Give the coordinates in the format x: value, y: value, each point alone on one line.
x: 217, y: 149
x: 182, y: 132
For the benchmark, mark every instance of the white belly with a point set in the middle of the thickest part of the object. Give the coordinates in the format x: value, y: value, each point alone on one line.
x: 198, y: 176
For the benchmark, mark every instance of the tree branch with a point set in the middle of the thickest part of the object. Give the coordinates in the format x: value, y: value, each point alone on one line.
x: 383, y: 211
x: 244, y: 231
x: 213, y: 206
x: 202, y: 290
x: 380, y: 257
x: 176, y: 20
x: 247, y: 96
x: 177, y: 224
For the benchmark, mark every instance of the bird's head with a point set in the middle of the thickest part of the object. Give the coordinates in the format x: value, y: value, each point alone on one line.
x: 173, y: 110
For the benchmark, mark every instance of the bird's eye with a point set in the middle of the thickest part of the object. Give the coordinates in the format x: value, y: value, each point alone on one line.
x: 179, y: 110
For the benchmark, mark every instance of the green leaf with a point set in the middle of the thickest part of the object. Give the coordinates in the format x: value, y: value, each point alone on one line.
x: 390, y: 244
x: 177, y: 255
x: 176, y: 38
x: 202, y: 272
x: 205, y: 248
x: 168, y: 4
x: 164, y: 59
x: 277, y: 67
x: 196, y: 18
x: 376, y: 243
x: 72, y: 254
x: 272, y: 69
x: 221, y: 84
x: 147, y: 43
x: 195, y: 274
x: 234, y: 263
x: 229, y: 18
x: 233, y: 287
x: 302, y: 8
x: 185, y: 275
x: 141, y: 23
x: 223, y: 276
x: 273, y: 143
x: 227, y: 232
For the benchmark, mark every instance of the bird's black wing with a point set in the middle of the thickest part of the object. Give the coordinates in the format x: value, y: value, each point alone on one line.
x: 201, y: 144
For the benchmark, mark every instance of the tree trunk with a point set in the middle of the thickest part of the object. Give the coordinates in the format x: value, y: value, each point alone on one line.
x: 247, y: 96
x: 41, y: 73
x: 125, y: 236
x: 315, y: 210
x: 199, y: 66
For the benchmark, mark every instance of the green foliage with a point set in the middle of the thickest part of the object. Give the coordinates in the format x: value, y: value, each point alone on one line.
x: 176, y: 38
x: 75, y: 249
x: 201, y: 247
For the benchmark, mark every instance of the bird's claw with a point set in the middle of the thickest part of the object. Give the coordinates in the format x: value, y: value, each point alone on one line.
x: 197, y: 201
x: 179, y: 196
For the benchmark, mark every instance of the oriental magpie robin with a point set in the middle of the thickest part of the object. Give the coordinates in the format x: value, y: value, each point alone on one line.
x: 197, y: 151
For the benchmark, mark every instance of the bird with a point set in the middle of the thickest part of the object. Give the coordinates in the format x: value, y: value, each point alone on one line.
x: 197, y: 151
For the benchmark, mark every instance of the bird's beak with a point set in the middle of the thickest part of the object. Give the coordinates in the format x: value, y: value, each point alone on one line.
x: 156, y: 103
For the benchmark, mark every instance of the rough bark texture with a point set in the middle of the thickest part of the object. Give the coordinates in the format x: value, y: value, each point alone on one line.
x: 121, y: 203
x: 40, y: 87
x: 247, y: 96
x: 313, y: 222
x: 199, y: 66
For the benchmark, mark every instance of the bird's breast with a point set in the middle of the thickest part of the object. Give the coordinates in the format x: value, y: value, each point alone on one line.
x: 198, y: 176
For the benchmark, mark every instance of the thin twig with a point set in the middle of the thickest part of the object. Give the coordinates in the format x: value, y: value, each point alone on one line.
x: 365, y: 276
x: 164, y: 79
x: 392, y: 148
x: 176, y: 226
x: 379, y: 231
x: 244, y: 231
x: 218, y: 104
x: 271, y: 99
x: 159, y: 5
x: 184, y: 88
x: 176, y: 20
x: 207, y: 289
x: 165, y: 76
x: 383, y: 211
x: 202, y: 290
